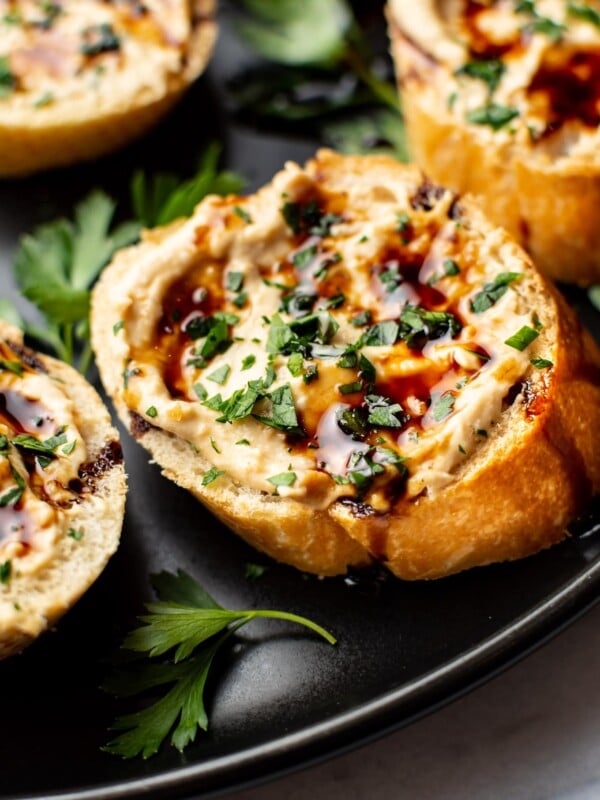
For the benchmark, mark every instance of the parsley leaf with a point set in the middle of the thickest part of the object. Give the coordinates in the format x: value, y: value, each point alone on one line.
x: 522, y: 338
x: 584, y: 12
x: 494, y: 115
x: 283, y: 479
x: 493, y: 291
x: 8, y: 82
x: 490, y: 71
x: 191, y: 626
x: 443, y: 407
x: 57, y: 263
x: 211, y: 475
x: 165, y: 197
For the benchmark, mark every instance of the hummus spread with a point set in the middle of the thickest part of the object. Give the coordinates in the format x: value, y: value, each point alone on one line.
x: 41, y: 452
x: 324, y: 343
x: 88, y: 57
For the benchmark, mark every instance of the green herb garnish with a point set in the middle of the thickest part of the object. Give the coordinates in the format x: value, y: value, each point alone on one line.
x: 443, y: 407
x: 490, y: 71
x: 541, y: 363
x: 522, y: 338
x: 179, y: 638
x: 494, y: 115
x: 211, y: 475
x: 283, y: 479
x: 493, y: 291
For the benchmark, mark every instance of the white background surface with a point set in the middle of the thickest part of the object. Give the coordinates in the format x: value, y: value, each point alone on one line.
x: 533, y: 733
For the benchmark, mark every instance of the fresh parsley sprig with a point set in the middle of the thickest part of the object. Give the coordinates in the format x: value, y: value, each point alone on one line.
x: 58, y: 262
x: 328, y: 76
x: 56, y: 265
x: 181, y: 635
x: 161, y: 198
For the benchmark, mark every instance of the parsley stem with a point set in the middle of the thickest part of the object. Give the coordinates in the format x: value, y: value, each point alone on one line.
x: 68, y: 340
x: 382, y: 90
x: 85, y: 358
x: 292, y: 618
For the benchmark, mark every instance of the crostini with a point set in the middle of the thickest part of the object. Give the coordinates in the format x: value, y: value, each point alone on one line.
x: 79, y: 79
x: 502, y: 99
x: 355, y: 364
x: 62, y: 490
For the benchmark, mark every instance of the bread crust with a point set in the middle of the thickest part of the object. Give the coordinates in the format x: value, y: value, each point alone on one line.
x: 512, y: 495
x: 33, y: 600
x: 106, y: 116
x: 544, y: 190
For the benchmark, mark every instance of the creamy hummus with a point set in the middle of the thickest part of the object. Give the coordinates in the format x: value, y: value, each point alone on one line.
x: 41, y: 452
x: 321, y: 344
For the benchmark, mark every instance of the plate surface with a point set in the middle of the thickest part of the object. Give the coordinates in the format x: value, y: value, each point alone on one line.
x: 279, y: 698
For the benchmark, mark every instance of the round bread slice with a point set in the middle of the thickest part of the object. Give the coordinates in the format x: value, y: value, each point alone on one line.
x: 502, y: 99
x: 62, y: 490
x: 353, y: 363
x: 81, y: 79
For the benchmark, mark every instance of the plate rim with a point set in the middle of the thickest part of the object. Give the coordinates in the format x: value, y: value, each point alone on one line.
x: 368, y: 721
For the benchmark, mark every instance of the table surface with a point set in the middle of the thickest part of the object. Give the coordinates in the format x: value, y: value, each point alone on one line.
x: 532, y: 733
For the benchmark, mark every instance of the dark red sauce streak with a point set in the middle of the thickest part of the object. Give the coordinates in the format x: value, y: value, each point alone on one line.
x: 568, y: 86
x: 480, y: 46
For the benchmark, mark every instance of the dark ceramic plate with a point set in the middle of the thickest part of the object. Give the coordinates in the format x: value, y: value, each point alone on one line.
x: 280, y: 698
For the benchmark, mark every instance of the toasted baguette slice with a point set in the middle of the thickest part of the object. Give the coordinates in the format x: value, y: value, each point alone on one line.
x: 353, y: 363
x: 506, y: 104
x: 81, y: 79
x: 62, y: 490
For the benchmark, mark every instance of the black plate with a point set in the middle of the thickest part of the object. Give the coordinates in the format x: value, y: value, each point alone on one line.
x: 280, y: 698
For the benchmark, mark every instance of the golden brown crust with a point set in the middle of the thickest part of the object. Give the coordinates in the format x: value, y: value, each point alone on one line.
x: 33, y: 600
x: 542, y: 194
x: 510, y: 495
x: 65, y: 132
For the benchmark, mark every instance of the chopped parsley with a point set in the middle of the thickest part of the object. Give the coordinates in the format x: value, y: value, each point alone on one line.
x: 541, y: 363
x: 304, y: 258
x: 308, y: 218
x: 13, y: 496
x: 493, y: 291
x: 490, y: 71
x: 362, y: 318
x: 99, y: 39
x: 118, y: 326
x: 522, y: 338
x: 234, y: 281
x: 75, y: 533
x: 443, y: 407
x: 220, y: 375
x: 242, y: 214
x: 244, y: 442
x: 418, y: 325
x: 11, y: 366
x: 402, y: 222
x: 493, y: 115
x: 296, y: 364
x: 211, y: 475
x: 282, y: 412
x: 350, y: 388
x: 248, y: 362
x: 584, y: 12
x: 283, y: 479
x: 384, y: 413
x: 200, y: 391
x: 5, y: 571
x: 8, y: 82
x: 151, y: 412
x: 380, y: 334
